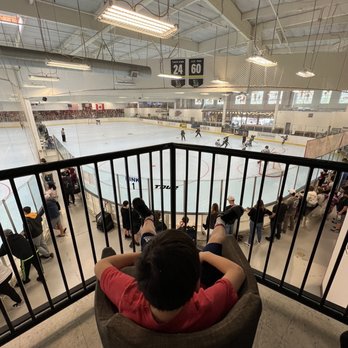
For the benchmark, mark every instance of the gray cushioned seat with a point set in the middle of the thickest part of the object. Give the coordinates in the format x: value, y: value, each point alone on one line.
x: 237, y: 329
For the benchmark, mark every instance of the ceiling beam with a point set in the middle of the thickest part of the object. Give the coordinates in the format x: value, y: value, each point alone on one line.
x: 337, y: 47
x: 290, y: 8
x: 231, y: 14
x: 67, y: 16
x: 314, y: 37
x: 220, y: 43
x: 305, y: 18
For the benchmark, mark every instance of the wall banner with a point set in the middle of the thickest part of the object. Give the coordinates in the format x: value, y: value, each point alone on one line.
x: 196, y: 68
x: 177, y: 67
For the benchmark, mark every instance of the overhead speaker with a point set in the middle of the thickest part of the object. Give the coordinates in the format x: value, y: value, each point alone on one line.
x: 44, y: 98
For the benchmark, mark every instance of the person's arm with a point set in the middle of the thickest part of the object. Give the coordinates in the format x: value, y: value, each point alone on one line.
x: 118, y: 261
x: 232, y: 272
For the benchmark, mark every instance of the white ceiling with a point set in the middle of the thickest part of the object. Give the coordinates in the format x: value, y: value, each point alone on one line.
x: 207, y: 28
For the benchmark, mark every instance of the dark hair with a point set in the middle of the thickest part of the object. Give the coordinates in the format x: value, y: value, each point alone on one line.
x: 185, y: 219
x: 27, y: 210
x: 125, y: 203
x: 215, y: 208
x: 52, y: 186
x: 168, y: 270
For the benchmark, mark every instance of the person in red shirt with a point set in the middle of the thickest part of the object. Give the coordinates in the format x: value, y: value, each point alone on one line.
x: 176, y: 288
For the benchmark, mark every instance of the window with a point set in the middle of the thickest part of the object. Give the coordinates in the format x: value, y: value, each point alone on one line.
x: 240, y: 99
x: 325, y: 97
x: 343, y: 98
x: 304, y: 97
x: 208, y: 101
x: 256, y: 97
x: 198, y: 101
x: 273, y: 97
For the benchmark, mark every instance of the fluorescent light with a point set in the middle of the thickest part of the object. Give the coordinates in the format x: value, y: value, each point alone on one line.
x: 179, y: 92
x: 123, y: 97
x: 43, y: 78
x: 204, y: 93
x: 34, y: 86
x: 68, y: 65
x: 131, y: 20
x: 259, y: 60
x: 305, y: 73
x: 219, y: 82
x: 170, y: 76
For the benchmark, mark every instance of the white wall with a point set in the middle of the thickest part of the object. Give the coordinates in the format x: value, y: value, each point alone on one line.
x: 338, y: 292
x: 187, y: 114
x: 319, y: 122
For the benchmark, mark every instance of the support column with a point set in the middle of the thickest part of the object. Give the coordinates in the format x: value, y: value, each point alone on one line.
x: 276, y: 109
x: 224, y: 111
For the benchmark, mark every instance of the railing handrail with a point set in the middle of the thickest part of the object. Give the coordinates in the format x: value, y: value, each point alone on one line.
x: 83, y: 160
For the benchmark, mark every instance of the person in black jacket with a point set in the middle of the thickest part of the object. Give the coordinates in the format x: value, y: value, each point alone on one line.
x: 68, y: 188
x: 279, y: 215
x: 34, y: 222
x: 125, y: 219
x: 20, y: 248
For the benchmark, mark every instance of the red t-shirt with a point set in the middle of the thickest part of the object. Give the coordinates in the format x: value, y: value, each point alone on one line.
x: 205, y: 308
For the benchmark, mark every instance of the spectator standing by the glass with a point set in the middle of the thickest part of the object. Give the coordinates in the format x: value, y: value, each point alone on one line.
x: 6, y: 288
x: 257, y: 214
x: 62, y: 132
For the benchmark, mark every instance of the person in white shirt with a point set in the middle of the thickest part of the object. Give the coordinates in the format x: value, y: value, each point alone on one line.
x: 6, y: 288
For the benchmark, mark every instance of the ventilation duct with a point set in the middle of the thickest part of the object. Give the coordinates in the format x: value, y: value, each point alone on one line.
x: 13, y: 56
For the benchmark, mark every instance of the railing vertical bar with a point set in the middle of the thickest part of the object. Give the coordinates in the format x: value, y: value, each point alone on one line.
x: 173, y: 185
x: 72, y: 233
x: 246, y: 163
x: 258, y: 209
x: 30, y: 240
x: 152, y: 195
x: 85, y: 209
x: 118, y: 186
x: 186, y: 184
x: 101, y: 205
x: 285, y: 175
x: 198, y: 187
x: 6, y: 317
x: 161, y: 182
x: 320, y: 231
x: 53, y: 237
x: 302, y: 208
x: 211, y: 192
x: 116, y: 204
x: 139, y: 177
x: 227, y: 181
x: 32, y: 197
x: 253, y: 195
x: 130, y: 202
x: 9, y: 216
x: 296, y: 176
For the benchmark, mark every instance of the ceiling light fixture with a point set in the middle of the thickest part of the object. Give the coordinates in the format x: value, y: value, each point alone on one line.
x: 132, y: 20
x: 305, y: 73
x: 43, y: 78
x: 179, y: 92
x: 219, y: 82
x: 125, y: 83
x: 262, y: 61
x: 170, y: 76
x: 68, y: 65
x: 34, y: 86
x: 11, y: 20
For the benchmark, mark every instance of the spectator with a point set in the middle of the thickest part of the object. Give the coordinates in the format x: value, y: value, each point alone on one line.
x: 54, y: 215
x: 277, y: 218
x: 20, y: 248
x: 292, y: 203
x: 231, y: 204
x: 159, y: 224
x: 125, y: 212
x: 34, y: 222
x: 257, y: 214
x: 6, y: 288
x: 212, y: 216
x: 168, y: 274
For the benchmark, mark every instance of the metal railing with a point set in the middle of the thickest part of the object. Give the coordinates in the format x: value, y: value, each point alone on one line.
x: 174, y: 163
